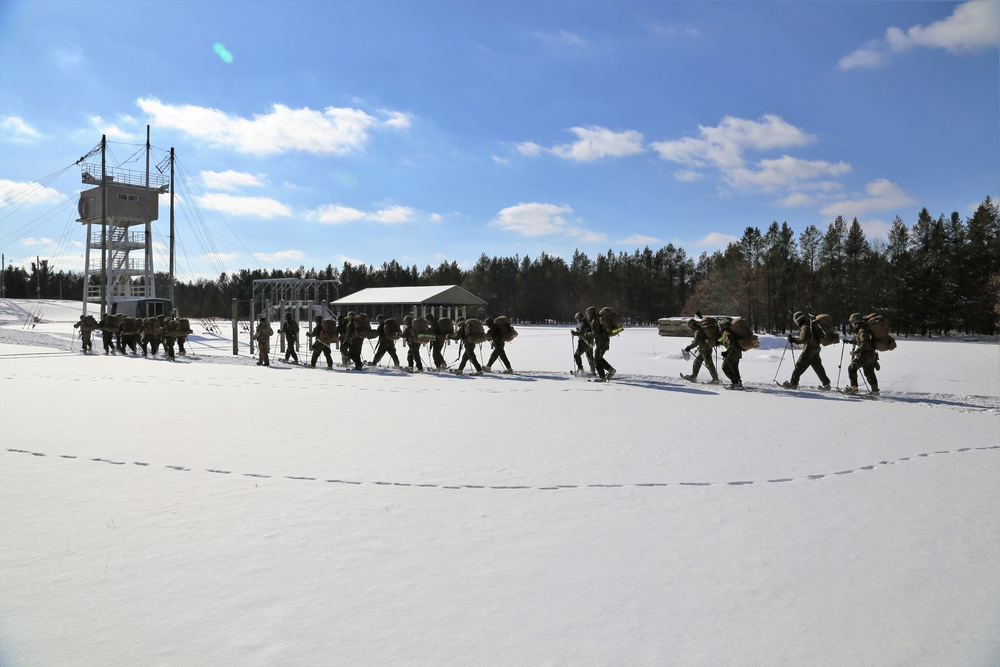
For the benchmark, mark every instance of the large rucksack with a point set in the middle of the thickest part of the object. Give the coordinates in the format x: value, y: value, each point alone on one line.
x: 610, y: 321
x: 505, y: 329
x: 445, y: 326
x: 822, y: 330
x: 878, y: 325
x: 421, y: 330
x: 710, y: 326
x: 744, y: 334
x: 474, y: 332
x: 89, y: 323
x: 152, y: 326
x: 390, y: 328
x: 363, y: 326
x: 328, y: 334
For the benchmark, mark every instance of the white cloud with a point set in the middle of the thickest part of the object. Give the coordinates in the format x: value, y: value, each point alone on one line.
x: 332, y: 131
x: 770, y: 175
x: 260, y: 207
x: 640, y: 240
x: 876, y: 229
x: 17, y: 130
x: 220, y: 257
x: 280, y: 256
x: 27, y: 192
x: 723, y: 146
x: 31, y: 241
x: 972, y: 26
x: 566, y: 38
x: 111, y: 130
x: 537, y: 219
x: 593, y: 143
x: 716, y: 240
x: 882, y: 195
x: 335, y: 214
x: 230, y: 180
x: 670, y: 30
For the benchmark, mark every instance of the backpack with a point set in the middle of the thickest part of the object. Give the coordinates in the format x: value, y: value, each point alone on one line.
x: 610, y: 321
x: 474, y: 332
x: 152, y: 326
x: 445, y: 326
x: 129, y: 325
x: 823, y: 331
x: 744, y: 335
x: 171, y: 328
x: 328, y: 334
x: 504, y: 328
x: 710, y: 326
x: 90, y: 324
x: 878, y: 325
x: 390, y: 328
x: 363, y: 326
x: 421, y: 330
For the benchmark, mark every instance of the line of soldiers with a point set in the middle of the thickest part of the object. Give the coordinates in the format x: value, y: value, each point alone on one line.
x: 120, y: 334
x: 352, y: 332
x: 864, y: 357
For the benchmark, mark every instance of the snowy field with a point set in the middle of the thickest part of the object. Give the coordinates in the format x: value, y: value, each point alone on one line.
x: 213, y: 512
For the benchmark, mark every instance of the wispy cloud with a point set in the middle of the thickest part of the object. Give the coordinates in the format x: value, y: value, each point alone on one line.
x: 640, y: 240
x: 335, y: 214
x: 880, y: 195
x: 231, y: 180
x: 27, y: 192
x: 280, y: 256
x: 671, y: 30
x: 332, y: 131
x: 715, y: 240
x: 18, y: 131
x: 562, y: 38
x: 538, y: 219
x: 593, y: 143
x: 972, y: 26
x: 112, y: 130
x: 259, y: 207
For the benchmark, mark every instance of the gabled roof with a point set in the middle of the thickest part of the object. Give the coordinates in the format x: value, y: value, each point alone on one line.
x: 436, y: 295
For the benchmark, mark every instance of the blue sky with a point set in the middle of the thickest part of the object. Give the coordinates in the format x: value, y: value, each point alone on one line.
x: 310, y: 133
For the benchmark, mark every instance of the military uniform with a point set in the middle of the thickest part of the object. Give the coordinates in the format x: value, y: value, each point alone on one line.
x: 584, y: 344
x: 704, y: 355
x: 290, y: 329
x: 318, y: 346
x: 602, y: 343
x: 412, y: 344
x: 437, y: 345
x: 385, y: 346
x: 809, y: 358
x: 150, y: 335
x: 355, y: 342
x: 108, y: 335
x: 496, y: 339
x: 731, y: 356
x: 263, y: 338
x: 864, y: 357
x: 87, y: 345
x: 469, y: 353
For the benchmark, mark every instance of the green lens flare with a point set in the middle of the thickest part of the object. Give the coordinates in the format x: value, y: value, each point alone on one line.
x: 223, y: 53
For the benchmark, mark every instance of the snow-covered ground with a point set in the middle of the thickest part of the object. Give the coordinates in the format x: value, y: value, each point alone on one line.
x: 213, y: 512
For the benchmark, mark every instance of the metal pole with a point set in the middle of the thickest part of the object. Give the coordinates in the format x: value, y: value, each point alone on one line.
x: 170, y: 289
x: 104, y: 225
x: 236, y: 331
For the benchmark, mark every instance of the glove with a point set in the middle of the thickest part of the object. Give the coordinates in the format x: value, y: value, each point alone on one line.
x: 791, y: 338
x: 724, y: 353
x: 573, y: 332
x: 686, y: 353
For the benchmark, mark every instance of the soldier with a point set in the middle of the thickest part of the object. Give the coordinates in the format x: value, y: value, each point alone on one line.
x: 469, y: 348
x: 386, y: 344
x: 170, y: 329
x: 318, y: 346
x: 345, y: 344
x: 731, y: 355
x: 584, y: 344
x: 355, y: 342
x: 263, y: 338
x: 437, y: 345
x: 704, y: 355
x: 150, y: 335
x: 107, y: 325
x: 809, y: 358
x: 85, y: 341
x: 602, y: 343
x: 498, y: 343
x: 863, y: 357
x: 413, y: 346
x: 290, y: 329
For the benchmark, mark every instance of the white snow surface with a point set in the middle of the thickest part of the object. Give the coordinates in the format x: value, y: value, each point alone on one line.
x: 212, y: 512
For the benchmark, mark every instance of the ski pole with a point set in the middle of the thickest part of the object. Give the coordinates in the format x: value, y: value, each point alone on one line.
x: 843, y: 346
x: 780, y: 361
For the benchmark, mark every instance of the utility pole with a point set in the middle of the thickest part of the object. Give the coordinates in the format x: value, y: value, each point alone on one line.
x: 170, y: 294
x: 104, y: 225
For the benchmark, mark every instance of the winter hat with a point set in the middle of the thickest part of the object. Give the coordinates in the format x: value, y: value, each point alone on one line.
x: 798, y: 316
x: 856, y: 318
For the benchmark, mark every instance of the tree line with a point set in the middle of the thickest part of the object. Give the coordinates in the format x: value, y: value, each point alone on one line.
x: 940, y: 275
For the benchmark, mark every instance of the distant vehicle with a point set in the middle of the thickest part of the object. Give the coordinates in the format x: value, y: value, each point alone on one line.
x: 142, y: 307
